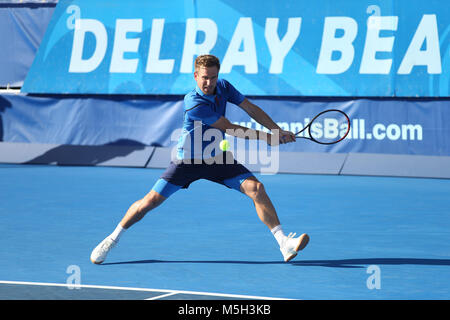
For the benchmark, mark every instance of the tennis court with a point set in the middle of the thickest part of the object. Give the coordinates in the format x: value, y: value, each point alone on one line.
x: 371, y: 237
x: 98, y: 97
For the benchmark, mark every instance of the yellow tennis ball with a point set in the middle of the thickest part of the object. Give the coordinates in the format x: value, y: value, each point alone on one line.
x: 224, y: 145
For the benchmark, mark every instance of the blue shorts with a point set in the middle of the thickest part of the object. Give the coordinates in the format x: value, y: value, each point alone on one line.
x: 179, y: 175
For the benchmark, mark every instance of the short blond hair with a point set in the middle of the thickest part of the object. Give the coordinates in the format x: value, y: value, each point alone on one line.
x: 207, y: 60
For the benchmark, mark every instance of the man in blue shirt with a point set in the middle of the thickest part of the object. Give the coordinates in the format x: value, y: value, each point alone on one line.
x: 201, y: 158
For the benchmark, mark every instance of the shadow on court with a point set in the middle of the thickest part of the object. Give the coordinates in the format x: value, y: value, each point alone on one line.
x: 344, y: 263
x: 87, y: 154
x: 362, y: 263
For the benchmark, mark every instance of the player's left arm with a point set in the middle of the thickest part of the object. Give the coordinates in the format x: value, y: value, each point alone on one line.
x: 264, y: 119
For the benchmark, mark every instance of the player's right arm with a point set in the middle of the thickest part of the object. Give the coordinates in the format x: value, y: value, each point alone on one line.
x: 238, y: 131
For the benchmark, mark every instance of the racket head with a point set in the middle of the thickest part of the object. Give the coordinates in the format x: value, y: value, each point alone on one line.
x: 328, y: 127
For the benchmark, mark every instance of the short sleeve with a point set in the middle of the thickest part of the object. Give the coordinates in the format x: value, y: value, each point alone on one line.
x: 203, y: 113
x: 234, y: 96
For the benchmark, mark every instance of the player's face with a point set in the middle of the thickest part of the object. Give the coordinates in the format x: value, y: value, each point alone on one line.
x: 206, y: 78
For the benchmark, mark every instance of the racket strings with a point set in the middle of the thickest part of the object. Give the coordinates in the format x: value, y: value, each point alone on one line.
x: 327, y: 127
x: 330, y: 126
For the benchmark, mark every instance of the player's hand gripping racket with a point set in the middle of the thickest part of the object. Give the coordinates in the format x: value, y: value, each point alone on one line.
x: 328, y: 127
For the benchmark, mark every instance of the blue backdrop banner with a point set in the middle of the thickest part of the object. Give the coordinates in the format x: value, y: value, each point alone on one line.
x: 22, y: 28
x: 389, y: 126
x: 276, y: 48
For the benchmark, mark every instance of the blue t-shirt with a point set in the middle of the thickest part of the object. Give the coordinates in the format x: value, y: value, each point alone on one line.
x: 198, y: 139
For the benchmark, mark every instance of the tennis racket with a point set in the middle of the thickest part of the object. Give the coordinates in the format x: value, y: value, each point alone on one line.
x: 328, y: 127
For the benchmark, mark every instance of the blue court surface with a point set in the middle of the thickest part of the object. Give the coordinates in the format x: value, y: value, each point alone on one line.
x: 371, y: 237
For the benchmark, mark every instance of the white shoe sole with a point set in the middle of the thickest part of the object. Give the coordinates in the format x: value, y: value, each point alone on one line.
x: 302, y: 243
x: 96, y: 262
x: 99, y: 246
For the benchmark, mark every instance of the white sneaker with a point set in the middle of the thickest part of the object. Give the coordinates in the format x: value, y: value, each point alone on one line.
x: 100, y: 252
x: 291, y: 245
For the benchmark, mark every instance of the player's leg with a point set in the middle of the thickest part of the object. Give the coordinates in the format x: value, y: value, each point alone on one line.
x: 159, y: 193
x: 175, y: 177
x: 141, y: 207
x: 263, y: 205
x: 234, y: 175
x: 289, y: 246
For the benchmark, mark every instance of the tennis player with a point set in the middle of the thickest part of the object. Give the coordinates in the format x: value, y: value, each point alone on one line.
x: 204, y: 110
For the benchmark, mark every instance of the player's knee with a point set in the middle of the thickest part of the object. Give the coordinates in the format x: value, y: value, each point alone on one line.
x: 255, y: 190
x: 150, y: 201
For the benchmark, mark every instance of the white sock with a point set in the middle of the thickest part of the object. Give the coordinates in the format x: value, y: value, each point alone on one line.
x: 117, y: 233
x: 278, y: 234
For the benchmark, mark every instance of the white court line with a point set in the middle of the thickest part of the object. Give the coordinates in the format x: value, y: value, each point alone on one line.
x: 162, y: 296
x: 9, y: 90
x: 171, y: 292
